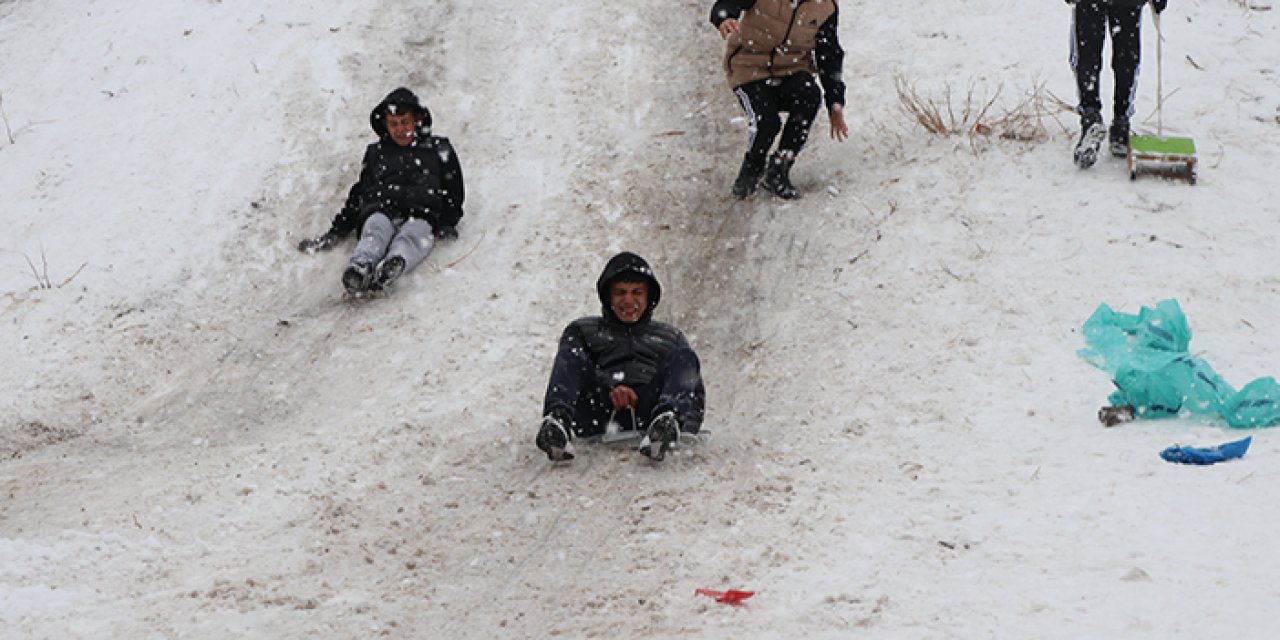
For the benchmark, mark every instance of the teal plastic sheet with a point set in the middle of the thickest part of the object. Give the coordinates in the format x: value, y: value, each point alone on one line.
x: 1146, y: 356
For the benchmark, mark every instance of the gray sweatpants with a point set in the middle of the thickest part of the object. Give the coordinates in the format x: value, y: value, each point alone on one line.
x: 380, y: 239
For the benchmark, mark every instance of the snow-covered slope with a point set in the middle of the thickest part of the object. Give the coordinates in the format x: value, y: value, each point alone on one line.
x: 201, y: 439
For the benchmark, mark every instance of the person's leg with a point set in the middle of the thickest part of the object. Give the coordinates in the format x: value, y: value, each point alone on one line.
x: 409, y: 247
x: 763, y: 124
x: 574, y: 396
x: 413, y: 242
x: 677, y: 387
x: 1088, y: 31
x: 375, y: 236
x: 759, y: 105
x: 801, y: 98
x: 678, y: 408
x: 1126, y: 55
x: 683, y: 391
x: 575, y: 404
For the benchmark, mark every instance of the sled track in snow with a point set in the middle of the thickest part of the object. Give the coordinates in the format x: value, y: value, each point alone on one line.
x: 397, y: 491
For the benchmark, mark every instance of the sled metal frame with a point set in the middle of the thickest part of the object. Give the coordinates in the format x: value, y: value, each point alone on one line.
x: 1158, y: 154
x: 633, y: 437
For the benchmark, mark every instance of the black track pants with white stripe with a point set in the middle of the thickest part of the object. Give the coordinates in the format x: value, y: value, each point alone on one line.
x: 1093, y: 19
x: 798, y: 95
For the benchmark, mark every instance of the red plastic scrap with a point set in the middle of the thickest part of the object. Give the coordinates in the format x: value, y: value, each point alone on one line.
x: 732, y: 596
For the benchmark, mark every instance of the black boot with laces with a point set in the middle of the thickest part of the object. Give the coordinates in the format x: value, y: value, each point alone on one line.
x: 778, y: 177
x: 387, y: 272
x: 1092, y: 131
x: 664, y: 431
x: 554, y: 439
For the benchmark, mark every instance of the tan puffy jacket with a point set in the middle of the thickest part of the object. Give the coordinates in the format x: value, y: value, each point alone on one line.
x: 776, y: 40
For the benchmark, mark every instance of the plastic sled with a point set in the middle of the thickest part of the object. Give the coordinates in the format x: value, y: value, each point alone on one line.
x: 1166, y: 156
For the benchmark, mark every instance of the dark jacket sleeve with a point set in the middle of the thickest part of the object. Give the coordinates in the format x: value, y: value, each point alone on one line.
x: 439, y: 206
x: 829, y: 57
x: 349, y: 217
x: 454, y: 192
x: 724, y: 9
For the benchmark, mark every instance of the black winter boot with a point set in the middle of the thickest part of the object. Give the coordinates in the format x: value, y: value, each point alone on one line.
x: 387, y: 272
x: 778, y: 177
x: 663, y: 431
x: 748, y: 176
x: 1092, y: 131
x: 553, y: 439
x: 356, y: 278
x: 1119, y: 137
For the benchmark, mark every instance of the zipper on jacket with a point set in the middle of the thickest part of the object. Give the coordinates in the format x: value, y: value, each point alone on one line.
x: 786, y: 37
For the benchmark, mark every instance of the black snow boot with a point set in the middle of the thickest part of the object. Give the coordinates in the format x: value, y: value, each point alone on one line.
x: 663, y: 432
x: 553, y: 439
x: 1092, y: 131
x: 356, y: 278
x: 748, y: 176
x: 778, y: 177
x: 1119, y: 138
x: 388, y: 271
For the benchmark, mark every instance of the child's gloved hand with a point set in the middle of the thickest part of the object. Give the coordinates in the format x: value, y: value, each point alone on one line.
x: 320, y: 243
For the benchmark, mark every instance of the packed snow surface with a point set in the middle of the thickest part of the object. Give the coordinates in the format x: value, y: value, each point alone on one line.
x: 200, y: 438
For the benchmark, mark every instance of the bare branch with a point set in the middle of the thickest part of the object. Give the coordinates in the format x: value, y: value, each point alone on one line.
x: 41, y: 274
x: 974, y: 115
x: 73, y: 276
x: 35, y: 273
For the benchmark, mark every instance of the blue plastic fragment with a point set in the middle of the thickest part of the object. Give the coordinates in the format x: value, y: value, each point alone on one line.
x: 1206, y: 455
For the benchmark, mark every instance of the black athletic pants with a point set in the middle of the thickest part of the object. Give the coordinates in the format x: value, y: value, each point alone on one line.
x: 1093, y: 19
x: 798, y: 94
x: 575, y: 394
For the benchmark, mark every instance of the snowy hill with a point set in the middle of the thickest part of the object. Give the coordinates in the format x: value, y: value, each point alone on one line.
x: 199, y: 438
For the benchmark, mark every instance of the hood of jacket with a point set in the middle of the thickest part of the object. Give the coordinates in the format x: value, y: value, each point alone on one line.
x: 400, y: 99
x: 627, y: 263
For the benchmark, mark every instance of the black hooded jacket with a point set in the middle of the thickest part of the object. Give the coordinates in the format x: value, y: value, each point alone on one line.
x: 422, y: 180
x: 628, y: 354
